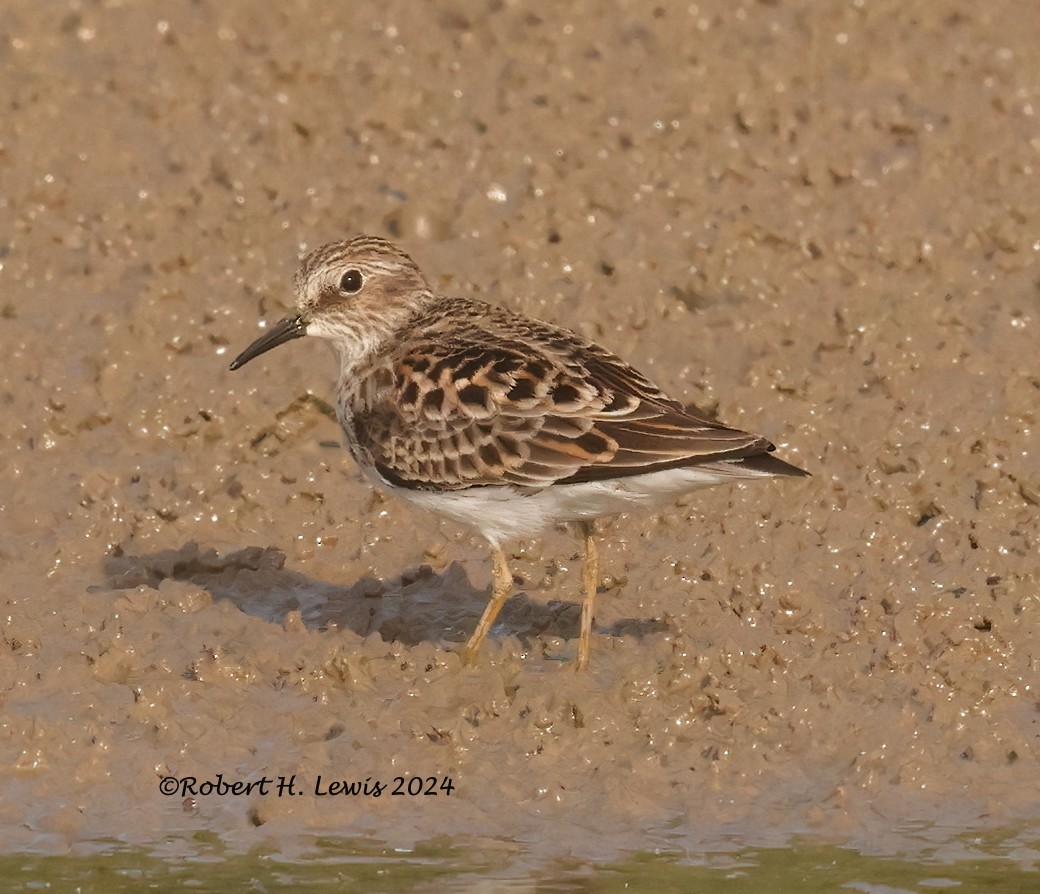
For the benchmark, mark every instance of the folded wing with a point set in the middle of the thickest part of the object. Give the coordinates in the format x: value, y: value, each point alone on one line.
x: 489, y: 410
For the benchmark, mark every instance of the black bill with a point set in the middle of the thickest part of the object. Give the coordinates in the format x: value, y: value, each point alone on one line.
x: 284, y: 330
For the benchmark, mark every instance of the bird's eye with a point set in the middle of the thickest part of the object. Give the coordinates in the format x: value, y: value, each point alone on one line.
x: 351, y: 282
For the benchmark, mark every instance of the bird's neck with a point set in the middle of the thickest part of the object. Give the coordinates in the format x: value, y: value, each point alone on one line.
x: 370, y: 333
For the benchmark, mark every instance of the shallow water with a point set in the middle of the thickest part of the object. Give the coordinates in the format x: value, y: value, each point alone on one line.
x: 1008, y: 866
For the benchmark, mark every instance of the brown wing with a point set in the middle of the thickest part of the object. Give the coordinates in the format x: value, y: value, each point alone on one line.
x: 529, y: 406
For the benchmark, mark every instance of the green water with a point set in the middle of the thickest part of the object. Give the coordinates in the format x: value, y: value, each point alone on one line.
x: 440, y: 867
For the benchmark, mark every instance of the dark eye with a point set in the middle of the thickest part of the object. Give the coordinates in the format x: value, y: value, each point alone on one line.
x: 351, y: 282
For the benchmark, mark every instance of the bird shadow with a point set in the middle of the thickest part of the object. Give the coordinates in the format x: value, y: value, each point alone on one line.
x: 420, y: 605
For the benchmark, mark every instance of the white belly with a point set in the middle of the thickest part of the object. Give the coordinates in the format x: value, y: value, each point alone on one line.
x: 504, y: 513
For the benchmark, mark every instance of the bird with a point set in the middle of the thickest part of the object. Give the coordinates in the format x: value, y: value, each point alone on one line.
x: 504, y: 423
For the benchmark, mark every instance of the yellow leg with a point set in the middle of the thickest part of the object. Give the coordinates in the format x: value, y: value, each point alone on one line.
x: 501, y: 586
x: 590, y: 582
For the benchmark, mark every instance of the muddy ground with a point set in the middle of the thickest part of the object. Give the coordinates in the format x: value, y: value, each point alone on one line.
x: 818, y: 220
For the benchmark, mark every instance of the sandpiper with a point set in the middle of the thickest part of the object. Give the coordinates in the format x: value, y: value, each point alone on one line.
x: 497, y: 420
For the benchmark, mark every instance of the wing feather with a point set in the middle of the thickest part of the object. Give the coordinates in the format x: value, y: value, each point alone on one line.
x: 496, y: 399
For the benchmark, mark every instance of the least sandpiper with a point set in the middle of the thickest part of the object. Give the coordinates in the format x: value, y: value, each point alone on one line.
x: 497, y: 420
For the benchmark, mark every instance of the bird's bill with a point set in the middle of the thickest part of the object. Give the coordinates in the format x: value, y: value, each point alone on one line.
x: 284, y: 330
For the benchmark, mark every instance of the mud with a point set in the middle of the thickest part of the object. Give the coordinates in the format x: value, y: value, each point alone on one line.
x: 819, y: 221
